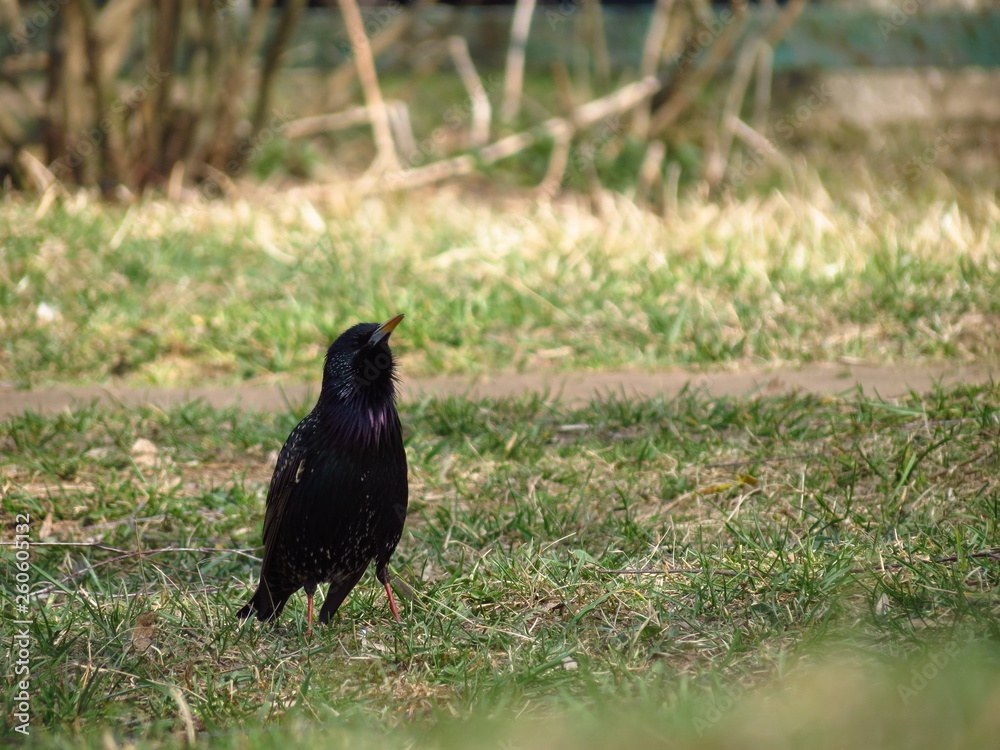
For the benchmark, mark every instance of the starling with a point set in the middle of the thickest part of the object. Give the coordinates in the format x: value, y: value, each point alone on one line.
x: 337, y: 499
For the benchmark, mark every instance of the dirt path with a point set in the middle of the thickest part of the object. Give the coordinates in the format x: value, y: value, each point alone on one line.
x: 573, y: 388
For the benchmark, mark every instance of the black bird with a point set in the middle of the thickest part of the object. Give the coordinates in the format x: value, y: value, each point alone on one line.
x: 338, y: 496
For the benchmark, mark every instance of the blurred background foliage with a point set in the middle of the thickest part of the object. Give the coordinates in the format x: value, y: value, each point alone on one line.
x: 640, y: 98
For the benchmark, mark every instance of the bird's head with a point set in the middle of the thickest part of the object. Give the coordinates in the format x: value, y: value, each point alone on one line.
x: 359, y: 363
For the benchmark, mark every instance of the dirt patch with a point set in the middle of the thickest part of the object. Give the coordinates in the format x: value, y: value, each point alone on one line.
x: 830, y: 378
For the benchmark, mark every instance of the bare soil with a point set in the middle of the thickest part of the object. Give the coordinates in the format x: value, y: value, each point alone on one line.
x: 574, y: 388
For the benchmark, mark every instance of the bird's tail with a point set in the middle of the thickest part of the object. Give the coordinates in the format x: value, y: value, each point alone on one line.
x: 266, y: 603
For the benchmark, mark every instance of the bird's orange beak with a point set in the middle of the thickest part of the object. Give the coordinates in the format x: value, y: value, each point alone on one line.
x: 385, y: 329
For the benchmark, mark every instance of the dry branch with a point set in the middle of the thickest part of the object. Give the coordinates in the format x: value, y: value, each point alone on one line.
x: 687, y: 90
x: 755, y: 140
x: 549, y: 185
x: 651, y: 52
x: 282, y: 36
x: 308, y: 126
x: 402, y: 129
x: 110, y: 144
x: 115, y: 26
x: 514, y: 77
x: 685, y: 93
x: 339, y: 84
x: 652, y: 162
x: 718, y: 159
x: 617, y: 102
x: 597, y: 41
x: 40, y: 175
x: 165, y: 32
x: 777, y: 30
x: 479, y: 133
x: 762, y: 87
x: 228, y: 86
x: 365, y: 62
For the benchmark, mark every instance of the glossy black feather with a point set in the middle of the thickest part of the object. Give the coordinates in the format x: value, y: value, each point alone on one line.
x: 337, y: 499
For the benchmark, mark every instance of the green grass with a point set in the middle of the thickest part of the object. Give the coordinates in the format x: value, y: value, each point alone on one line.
x: 811, y: 611
x: 163, y: 294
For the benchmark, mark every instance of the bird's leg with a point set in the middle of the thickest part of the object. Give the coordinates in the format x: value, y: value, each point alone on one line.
x: 382, y: 574
x: 392, y: 603
x: 310, y: 590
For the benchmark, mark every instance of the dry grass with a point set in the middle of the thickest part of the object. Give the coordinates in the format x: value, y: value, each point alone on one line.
x: 172, y: 294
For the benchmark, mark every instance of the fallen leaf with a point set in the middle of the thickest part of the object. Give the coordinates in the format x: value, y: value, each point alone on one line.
x: 144, y: 632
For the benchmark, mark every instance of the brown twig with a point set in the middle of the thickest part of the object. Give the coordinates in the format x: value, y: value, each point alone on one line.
x: 762, y: 87
x: 307, y: 126
x: 618, y: 101
x: 39, y: 173
x: 786, y: 17
x: 339, y: 83
x: 651, y: 52
x: 718, y: 159
x: 597, y: 40
x: 402, y: 129
x: 365, y: 62
x: 514, y: 77
x: 686, y: 91
x: 116, y: 32
x: 752, y: 138
x: 110, y: 146
x: 558, y: 160
x: 479, y: 132
x: 649, y: 170
x: 164, y: 31
x: 224, y: 115
x: 275, y: 49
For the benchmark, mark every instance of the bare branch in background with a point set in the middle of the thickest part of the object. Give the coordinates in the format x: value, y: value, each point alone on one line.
x: 649, y: 170
x: 479, y: 133
x: 691, y: 84
x: 234, y: 61
x: 651, y: 52
x: 316, y: 124
x: 514, y: 78
x: 597, y: 41
x: 762, y: 86
x: 365, y: 62
x: 282, y: 36
x: 558, y: 161
x: 164, y: 31
x: 619, y: 101
x: 340, y: 84
x: 718, y: 158
x: 213, y: 66
x: 402, y: 129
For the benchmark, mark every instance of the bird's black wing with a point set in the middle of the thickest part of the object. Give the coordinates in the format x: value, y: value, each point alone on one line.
x: 291, y: 462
